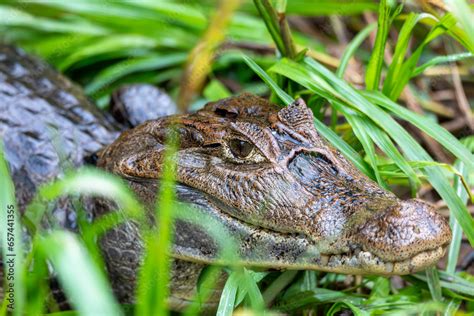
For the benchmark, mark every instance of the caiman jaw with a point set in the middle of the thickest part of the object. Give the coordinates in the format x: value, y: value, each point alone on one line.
x: 364, y: 262
x: 268, y: 249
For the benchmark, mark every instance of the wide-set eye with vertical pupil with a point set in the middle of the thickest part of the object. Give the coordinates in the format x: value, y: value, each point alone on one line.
x: 240, y: 148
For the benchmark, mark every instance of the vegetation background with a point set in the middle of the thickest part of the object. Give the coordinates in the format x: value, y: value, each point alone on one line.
x: 391, y: 85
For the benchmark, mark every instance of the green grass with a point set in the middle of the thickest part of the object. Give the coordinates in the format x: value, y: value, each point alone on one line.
x: 105, y: 44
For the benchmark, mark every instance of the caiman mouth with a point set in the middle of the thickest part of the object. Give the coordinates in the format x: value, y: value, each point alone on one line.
x: 265, y: 248
x: 365, y: 262
x: 362, y: 263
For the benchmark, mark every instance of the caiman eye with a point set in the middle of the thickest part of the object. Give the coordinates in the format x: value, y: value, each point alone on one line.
x: 240, y: 148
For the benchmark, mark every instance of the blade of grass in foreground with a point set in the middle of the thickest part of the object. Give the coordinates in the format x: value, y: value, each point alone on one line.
x: 342, y: 307
x: 348, y: 52
x: 206, y: 284
x: 85, y: 286
x: 229, y: 294
x: 154, y: 275
x: 451, y: 282
x: 283, y: 280
x: 432, y: 278
x: 96, y: 183
x: 243, y: 290
x: 365, y: 103
x: 90, y: 182
x: 253, y: 292
x: 10, y: 238
x: 101, y: 46
x: 314, y: 297
x: 353, y: 98
x: 463, y: 13
x: 329, y: 7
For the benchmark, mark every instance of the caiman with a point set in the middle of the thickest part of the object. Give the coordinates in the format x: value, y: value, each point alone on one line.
x: 286, y: 197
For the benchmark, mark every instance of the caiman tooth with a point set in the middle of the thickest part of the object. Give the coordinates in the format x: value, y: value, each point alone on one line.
x: 324, y: 260
x: 364, y: 257
x: 335, y: 260
x: 337, y: 257
x: 389, y: 267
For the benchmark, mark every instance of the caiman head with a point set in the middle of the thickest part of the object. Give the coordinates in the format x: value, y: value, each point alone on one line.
x: 288, y: 198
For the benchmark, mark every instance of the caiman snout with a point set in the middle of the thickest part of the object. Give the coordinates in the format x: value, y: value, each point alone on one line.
x: 366, y: 226
x: 411, y: 230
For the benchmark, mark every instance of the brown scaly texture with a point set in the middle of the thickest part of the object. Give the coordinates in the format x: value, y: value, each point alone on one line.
x: 292, y: 201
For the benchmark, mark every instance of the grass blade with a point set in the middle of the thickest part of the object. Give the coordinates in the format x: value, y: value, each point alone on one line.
x: 374, y: 69
x: 352, y: 47
x: 314, y: 297
x: 285, y: 97
x: 229, y: 294
x: 110, y: 44
x: 401, y: 49
x: 407, y: 68
x: 105, y: 185
x: 434, y: 285
x: 463, y: 13
x: 253, y: 292
x: 328, y: 7
x: 344, y: 148
x: 278, y: 285
x: 367, y: 143
x: 15, y: 17
x: 11, y: 242
x: 432, y: 129
x: 85, y: 285
x: 154, y: 276
x: 121, y: 69
x: 440, y: 60
x: 270, y: 18
x: 455, y: 245
x: 384, y: 142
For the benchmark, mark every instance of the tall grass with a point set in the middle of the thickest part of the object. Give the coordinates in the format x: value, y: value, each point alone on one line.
x: 104, y: 44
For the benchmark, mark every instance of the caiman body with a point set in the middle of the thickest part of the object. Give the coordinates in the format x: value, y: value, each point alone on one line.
x: 265, y: 176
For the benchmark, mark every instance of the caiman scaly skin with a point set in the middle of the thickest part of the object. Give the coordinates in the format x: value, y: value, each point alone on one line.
x: 286, y: 197
x: 47, y: 125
